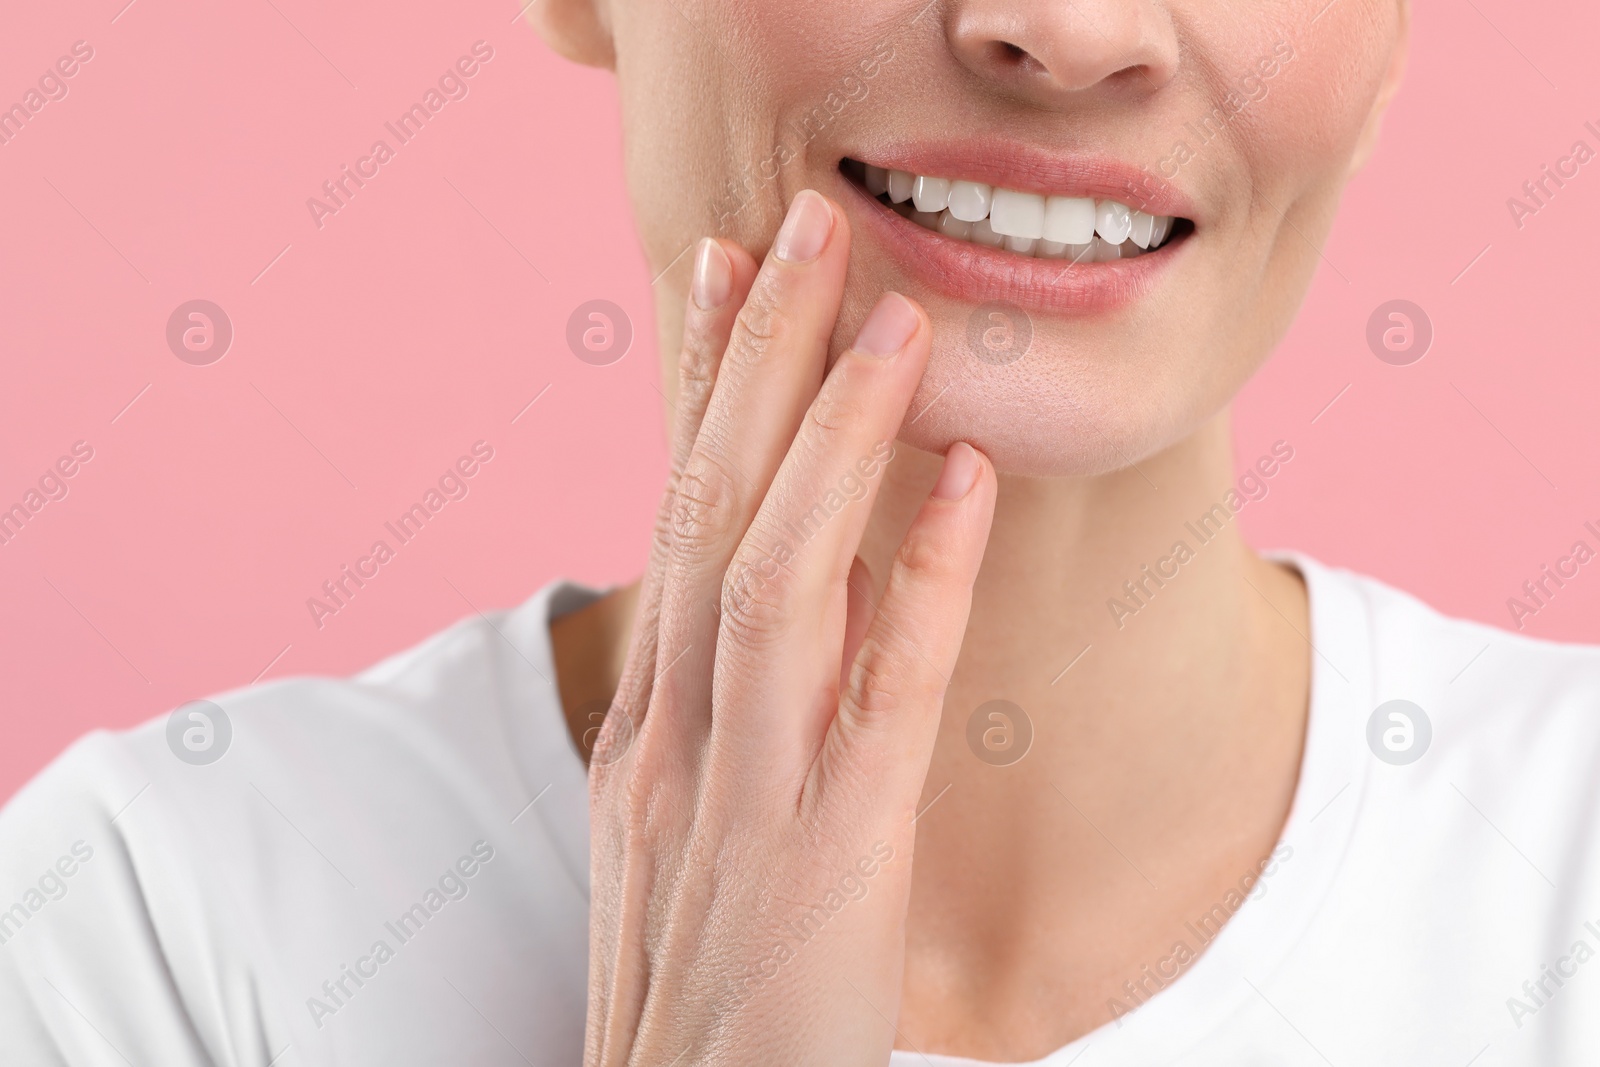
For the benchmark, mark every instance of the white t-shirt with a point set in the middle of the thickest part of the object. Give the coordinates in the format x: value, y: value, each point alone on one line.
x: 393, y: 870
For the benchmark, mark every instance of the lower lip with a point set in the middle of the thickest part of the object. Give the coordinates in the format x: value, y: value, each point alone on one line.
x: 979, y: 274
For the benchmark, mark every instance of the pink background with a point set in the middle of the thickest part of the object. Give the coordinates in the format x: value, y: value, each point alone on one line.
x: 376, y: 350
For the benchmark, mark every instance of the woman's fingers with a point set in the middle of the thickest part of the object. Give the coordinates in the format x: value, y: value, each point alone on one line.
x: 769, y: 373
x: 723, y: 273
x: 882, y: 738
x: 784, y: 618
x: 859, y: 610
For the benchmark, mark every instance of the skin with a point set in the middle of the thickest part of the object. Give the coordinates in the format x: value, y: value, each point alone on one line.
x: 1164, y: 761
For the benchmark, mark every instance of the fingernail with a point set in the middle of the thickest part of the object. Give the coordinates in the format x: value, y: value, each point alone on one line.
x: 806, y: 228
x: 890, y: 325
x: 961, y: 467
x: 713, y: 276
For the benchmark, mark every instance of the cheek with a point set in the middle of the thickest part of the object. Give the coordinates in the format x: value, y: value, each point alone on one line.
x: 1302, y: 133
x: 723, y: 102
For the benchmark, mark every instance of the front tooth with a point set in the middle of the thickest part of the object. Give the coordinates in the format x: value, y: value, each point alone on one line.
x: 1112, y: 220
x: 877, y: 180
x: 1105, y: 251
x: 926, y: 219
x: 1143, y: 228
x: 1083, y: 253
x: 969, y: 201
x: 951, y: 226
x: 900, y: 185
x: 1023, y: 245
x: 1049, y: 249
x: 983, y: 233
x: 1015, y: 214
x: 931, y: 194
x: 1069, y: 219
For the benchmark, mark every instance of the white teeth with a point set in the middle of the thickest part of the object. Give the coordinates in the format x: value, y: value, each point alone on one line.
x: 983, y: 233
x: 1112, y: 220
x: 1017, y: 214
x: 931, y: 194
x: 1075, y: 228
x: 951, y: 226
x: 1069, y: 219
x: 1143, y: 228
x: 969, y: 201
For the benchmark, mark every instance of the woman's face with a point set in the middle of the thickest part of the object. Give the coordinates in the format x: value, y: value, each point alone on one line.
x: 1239, y: 120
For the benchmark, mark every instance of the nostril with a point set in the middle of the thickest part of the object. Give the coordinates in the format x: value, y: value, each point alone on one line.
x: 1010, y: 54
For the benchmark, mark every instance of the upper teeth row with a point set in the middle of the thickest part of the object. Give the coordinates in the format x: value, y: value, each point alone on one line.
x: 1068, y: 220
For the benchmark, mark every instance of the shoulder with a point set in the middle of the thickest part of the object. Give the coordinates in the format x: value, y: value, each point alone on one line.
x: 203, y: 870
x: 1475, y: 673
x: 1473, y: 746
x: 1452, y: 824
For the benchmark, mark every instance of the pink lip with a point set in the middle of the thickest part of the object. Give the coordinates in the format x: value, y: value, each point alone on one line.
x: 967, y: 271
x: 979, y: 274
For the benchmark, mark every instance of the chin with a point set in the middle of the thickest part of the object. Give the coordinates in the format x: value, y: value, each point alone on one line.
x: 1046, y: 414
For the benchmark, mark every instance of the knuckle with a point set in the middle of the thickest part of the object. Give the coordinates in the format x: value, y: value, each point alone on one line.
x: 754, y: 599
x: 697, y: 365
x: 924, y: 558
x: 837, y: 409
x: 761, y: 325
x: 879, y: 682
x: 704, y: 505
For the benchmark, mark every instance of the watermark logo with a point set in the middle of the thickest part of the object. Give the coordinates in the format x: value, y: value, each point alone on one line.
x: 599, y: 332
x: 999, y: 333
x: 999, y: 733
x: 339, y: 591
x: 453, y: 885
x: 604, y: 747
x: 453, y: 84
x: 51, y: 86
x: 1537, y: 992
x: 852, y: 884
x: 1399, y: 732
x: 1399, y: 332
x: 741, y: 592
x: 199, y: 332
x: 199, y: 732
x: 51, y: 887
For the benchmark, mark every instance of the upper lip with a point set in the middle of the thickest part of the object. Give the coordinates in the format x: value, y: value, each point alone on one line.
x: 1031, y: 169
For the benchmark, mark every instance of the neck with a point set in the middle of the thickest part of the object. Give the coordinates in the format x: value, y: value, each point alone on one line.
x: 1160, y: 667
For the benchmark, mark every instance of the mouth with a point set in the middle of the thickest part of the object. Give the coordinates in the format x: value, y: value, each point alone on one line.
x: 1060, y: 245
x: 1079, y: 229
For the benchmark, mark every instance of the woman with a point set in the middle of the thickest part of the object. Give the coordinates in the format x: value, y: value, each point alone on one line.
x: 953, y: 720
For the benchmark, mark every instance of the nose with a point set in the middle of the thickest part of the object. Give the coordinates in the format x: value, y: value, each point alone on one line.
x: 1050, y: 51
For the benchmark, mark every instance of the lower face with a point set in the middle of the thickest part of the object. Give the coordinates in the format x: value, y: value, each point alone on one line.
x: 1107, y: 252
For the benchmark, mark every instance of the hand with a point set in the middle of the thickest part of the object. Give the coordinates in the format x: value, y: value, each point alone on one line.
x: 754, y: 785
